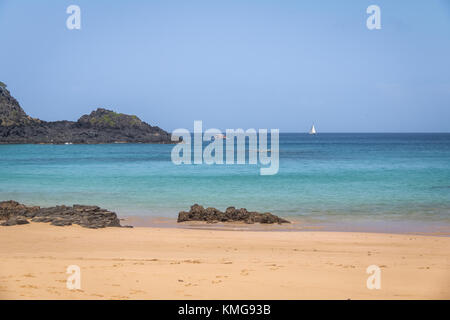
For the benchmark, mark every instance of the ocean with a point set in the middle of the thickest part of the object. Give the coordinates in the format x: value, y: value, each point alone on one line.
x: 327, y: 179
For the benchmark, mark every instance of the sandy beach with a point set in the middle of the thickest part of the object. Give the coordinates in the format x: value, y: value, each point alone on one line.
x: 165, y: 263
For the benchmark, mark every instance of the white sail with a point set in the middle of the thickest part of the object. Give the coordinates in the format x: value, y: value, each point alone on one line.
x: 313, y: 130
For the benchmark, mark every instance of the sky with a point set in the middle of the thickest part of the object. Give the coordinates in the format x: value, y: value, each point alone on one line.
x: 233, y: 63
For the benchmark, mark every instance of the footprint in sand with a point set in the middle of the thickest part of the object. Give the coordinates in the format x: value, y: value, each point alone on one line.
x: 78, y: 290
x: 117, y: 265
x: 136, y: 291
x: 29, y: 275
x: 244, y: 272
x: 192, y: 261
x: 191, y: 285
x: 274, y: 266
x: 29, y: 286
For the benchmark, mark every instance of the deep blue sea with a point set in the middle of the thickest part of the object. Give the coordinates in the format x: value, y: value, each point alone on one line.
x: 322, y: 178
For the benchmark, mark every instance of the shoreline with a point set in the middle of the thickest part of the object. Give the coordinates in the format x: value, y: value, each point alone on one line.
x: 181, y: 263
x: 93, y: 216
x: 435, y: 228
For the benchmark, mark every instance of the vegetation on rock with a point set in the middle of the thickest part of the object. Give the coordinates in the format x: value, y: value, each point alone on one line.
x: 100, y: 126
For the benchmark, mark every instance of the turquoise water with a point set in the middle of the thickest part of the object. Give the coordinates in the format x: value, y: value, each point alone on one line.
x: 327, y: 177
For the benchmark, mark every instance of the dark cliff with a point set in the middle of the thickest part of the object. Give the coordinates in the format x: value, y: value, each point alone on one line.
x: 101, y: 126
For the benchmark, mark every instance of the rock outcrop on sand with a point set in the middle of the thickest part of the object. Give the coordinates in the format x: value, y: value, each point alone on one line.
x: 14, y: 213
x: 101, y: 126
x: 231, y: 214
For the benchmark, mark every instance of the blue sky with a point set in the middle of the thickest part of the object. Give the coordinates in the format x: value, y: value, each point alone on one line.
x: 249, y: 64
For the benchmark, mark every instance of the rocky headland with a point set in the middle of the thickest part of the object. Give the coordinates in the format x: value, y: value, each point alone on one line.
x: 100, y: 126
x: 13, y: 213
x: 231, y: 214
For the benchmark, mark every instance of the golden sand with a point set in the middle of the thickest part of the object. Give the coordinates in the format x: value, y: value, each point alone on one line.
x: 171, y: 263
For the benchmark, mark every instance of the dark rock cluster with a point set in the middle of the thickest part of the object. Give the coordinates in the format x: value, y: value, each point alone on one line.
x: 12, y: 209
x: 14, y: 221
x: 231, y: 214
x: 86, y: 216
x: 101, y: 126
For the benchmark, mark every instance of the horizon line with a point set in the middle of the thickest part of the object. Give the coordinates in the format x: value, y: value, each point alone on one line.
x: 358, y: 132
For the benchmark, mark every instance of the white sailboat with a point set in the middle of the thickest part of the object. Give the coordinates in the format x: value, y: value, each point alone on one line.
x: 313, y: 130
